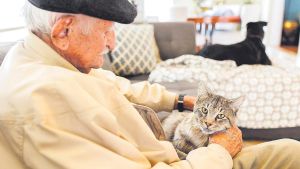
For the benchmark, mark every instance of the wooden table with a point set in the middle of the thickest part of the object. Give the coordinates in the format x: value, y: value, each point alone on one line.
x: 208, y: 23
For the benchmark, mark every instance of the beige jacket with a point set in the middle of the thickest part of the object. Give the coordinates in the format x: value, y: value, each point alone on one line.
x: 54, y: 117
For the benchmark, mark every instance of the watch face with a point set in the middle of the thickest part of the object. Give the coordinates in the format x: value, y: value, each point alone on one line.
x: 181, y: 97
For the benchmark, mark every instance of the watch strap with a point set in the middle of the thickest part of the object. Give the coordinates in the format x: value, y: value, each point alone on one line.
x: 180, y: 105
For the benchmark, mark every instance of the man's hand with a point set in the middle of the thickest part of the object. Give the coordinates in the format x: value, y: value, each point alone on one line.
x: 188, y: 102
x: 231, y: 140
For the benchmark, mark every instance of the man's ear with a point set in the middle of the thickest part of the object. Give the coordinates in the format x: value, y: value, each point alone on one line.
x: 60, y: 32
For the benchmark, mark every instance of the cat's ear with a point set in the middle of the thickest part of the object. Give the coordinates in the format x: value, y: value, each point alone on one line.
x: 237, y: 102
x: 203, y: 91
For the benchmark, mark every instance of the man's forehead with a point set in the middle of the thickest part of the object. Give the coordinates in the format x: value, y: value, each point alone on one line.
x: 96, y: 20
x: 106, y: 23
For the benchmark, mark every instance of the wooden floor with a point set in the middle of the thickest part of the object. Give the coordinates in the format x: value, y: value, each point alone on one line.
x: 292, y: 49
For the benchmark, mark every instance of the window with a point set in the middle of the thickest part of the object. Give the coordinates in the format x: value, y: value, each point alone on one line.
x: 12, y: 22
x: 11, y: 14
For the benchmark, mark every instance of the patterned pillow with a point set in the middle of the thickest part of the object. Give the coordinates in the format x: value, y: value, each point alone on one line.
x: 272, y: 92
x: 135, y: 51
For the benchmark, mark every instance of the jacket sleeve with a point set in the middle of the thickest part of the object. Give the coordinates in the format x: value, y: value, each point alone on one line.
x: 154, y: 96
x: 76, y: 132
x: 53, y: 148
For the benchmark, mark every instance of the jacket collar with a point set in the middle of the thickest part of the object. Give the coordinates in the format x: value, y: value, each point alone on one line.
x: 45, y: 52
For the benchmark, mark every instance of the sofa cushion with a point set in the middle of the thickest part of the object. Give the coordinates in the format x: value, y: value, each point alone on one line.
x: 190, y: 88
x: 271, y: 108
x: 138, y: 78
x: 135, y: 50
x: 175, y: 38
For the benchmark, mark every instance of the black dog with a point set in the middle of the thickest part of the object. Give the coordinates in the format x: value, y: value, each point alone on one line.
x: 250, y: 51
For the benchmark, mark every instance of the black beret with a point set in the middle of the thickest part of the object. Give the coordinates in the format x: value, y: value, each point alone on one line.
x: 121, y: 11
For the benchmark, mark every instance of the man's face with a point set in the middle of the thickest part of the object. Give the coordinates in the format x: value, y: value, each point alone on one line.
x: 85, y: 50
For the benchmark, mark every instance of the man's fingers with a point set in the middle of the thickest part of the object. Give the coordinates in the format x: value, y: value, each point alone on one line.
x: 231, y: 140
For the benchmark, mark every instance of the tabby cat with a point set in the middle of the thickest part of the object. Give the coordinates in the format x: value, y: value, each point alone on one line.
x: 212, y: 113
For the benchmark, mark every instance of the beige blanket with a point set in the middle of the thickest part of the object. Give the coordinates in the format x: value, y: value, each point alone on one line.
x: 272, y: 92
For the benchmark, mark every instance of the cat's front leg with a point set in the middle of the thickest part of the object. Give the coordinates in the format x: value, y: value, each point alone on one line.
x: 181, y: 155
x: 183, y: 145
x: 181, y: 148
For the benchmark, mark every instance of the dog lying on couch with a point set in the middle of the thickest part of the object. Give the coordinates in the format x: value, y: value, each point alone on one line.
x: 250, y: 51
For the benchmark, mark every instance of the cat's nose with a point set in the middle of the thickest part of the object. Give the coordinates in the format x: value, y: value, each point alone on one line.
x: 208, y: 124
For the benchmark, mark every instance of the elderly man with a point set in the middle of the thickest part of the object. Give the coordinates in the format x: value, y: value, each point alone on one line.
x: 59, y: 111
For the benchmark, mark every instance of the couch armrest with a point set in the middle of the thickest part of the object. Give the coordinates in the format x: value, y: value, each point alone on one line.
x: 175, y: 38
x: 150, y: 117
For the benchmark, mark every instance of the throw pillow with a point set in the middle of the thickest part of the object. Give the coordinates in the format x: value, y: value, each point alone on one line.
x: 135, y: 51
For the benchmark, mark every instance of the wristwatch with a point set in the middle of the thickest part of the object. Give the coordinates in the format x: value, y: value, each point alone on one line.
x: 180, y: 106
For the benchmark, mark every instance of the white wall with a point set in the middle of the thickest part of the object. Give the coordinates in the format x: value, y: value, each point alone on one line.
x: 250, y: 13
x: 298, y: 55
x: 141, y: 10
x: 273, y: 13
x: 159, y: 9
x: 299, y: 48
x: 192, y: 10
x: 189, y: 4
x: 11, y: 14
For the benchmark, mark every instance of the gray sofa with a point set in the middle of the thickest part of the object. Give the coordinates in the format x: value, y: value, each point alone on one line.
x: 173, y: 39
x: 4, y: 48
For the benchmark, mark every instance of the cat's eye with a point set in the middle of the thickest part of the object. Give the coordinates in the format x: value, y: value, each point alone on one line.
x: 220, y: 116
x: 204, y: 110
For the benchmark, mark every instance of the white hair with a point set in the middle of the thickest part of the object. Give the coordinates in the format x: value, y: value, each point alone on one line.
x: 39, y: 20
